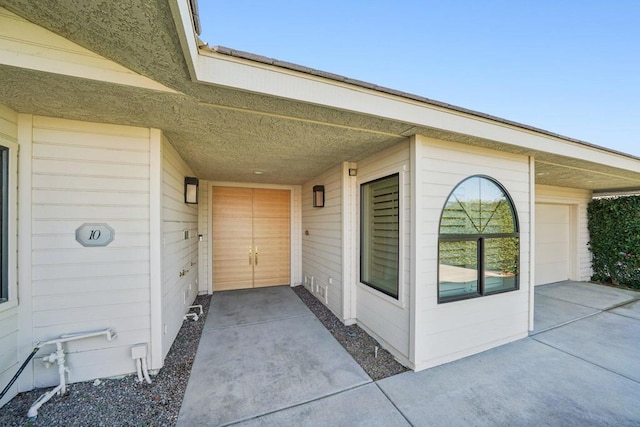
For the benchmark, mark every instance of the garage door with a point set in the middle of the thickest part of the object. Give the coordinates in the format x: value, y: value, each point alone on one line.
x: 552, y: 243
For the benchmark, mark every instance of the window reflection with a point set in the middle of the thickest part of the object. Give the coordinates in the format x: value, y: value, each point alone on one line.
x: 501, y: 264
x: 380, y: 235
x: 479, y: 241
x: 458, y: 268
x: 477, y: 206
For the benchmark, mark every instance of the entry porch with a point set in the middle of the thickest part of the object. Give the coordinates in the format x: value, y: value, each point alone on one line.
x: 264, y: 359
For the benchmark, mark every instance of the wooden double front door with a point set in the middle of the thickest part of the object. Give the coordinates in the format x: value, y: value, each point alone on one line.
x: 251, y: 237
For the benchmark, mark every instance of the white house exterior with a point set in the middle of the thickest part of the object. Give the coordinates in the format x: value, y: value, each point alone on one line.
x: 104, y: 113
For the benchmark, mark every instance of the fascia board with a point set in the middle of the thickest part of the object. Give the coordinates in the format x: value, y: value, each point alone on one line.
x: 181, y: 12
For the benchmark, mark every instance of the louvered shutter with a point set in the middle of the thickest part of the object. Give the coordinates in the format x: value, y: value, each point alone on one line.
x: 380, y: 234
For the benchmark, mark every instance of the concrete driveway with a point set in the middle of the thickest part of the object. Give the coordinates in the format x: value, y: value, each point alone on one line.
x: 265, y: 360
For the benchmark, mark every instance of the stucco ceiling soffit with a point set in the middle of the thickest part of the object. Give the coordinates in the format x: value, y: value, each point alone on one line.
x: 54, y: 95
x: 26, y: 45
x: 588, y: 177
x: 490, y: 132
x: 552, y: 169
x: 608, y: 192
x: 271, y: 63
x: 301, y: 119
x: 218, y: 143
x: 632, y: 179
x: 140, y: 35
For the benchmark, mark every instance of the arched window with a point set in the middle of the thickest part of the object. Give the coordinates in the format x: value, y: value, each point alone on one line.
x: 479, y: 243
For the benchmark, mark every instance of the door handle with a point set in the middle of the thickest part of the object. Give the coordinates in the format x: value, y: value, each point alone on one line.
x: 256, y: 255
x: 250, y: 255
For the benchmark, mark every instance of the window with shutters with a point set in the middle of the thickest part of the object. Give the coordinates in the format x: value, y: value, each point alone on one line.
x: 380, y: 234
x: 479, y: 243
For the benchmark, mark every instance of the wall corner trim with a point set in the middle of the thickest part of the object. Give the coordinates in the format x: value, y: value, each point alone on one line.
x: 532, y: 238
x: 155, y: 247
x: 25, y: 316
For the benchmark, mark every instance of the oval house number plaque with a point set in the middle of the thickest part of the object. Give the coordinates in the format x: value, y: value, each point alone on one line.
x: 94, y: 234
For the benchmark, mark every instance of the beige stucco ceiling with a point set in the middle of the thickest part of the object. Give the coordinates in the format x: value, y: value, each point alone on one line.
x: 224, y: 134
x: 219, y: 143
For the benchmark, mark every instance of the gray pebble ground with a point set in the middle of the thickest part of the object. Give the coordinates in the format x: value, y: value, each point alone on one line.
x: 125, y: 402
x: 360, y: 345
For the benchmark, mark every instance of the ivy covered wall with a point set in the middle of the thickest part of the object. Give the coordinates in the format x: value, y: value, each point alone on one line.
x: 614, y: 230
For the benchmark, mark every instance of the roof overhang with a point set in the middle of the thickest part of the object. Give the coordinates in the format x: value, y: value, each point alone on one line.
x: 559, y: 160
x: 229, y: 113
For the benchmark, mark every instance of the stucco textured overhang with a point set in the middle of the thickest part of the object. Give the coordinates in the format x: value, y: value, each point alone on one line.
x: 225, y: 133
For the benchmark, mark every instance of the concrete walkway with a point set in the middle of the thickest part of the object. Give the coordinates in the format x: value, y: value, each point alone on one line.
x: 264, y: 359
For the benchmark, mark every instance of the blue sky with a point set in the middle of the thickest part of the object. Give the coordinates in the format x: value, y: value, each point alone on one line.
x: 570, y: 67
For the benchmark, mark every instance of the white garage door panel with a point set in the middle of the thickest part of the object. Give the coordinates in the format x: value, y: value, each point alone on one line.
x: 547, y: 254
x: 552, y: 243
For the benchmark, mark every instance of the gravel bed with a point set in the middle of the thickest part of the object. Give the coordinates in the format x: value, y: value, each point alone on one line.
x: 126, y: 402
x: 119, y: 402
x: 360, y: 345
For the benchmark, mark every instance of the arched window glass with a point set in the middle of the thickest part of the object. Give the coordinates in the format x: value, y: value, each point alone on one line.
x: 479, y: 243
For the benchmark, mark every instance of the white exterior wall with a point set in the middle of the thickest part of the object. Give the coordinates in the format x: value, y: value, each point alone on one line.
x: 322, y: 258
x: 578, y: 200
x: 78, y: 172
x: 384, y: 317
x: 9, y: 357
x: 449, y: 331
x: 179, y: 253
x: 87, y: 173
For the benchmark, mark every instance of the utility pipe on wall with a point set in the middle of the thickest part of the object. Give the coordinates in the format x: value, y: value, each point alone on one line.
x: 139, y: 354
x: 59, y: 357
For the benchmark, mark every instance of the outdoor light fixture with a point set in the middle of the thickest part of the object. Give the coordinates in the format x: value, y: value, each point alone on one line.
x: 318, y: 196
x: 191, y: 190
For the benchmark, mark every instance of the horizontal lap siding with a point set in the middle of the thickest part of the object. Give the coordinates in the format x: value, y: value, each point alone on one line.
x: 90, y: 173
x: 448, y: 331
x: 178, y: 254
x: 580, y: 199
x: 322, y: 248
x: 8, y: 310
x: 382, y: 316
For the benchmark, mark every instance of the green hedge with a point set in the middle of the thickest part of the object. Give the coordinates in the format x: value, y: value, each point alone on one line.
x: 614, y: 230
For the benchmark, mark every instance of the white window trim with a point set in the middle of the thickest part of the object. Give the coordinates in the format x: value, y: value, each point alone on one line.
x: 12, y: 238
x: 402, y: 181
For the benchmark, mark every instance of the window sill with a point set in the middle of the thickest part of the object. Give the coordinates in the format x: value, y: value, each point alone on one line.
x: 397, y: 302
x: 474, y: 296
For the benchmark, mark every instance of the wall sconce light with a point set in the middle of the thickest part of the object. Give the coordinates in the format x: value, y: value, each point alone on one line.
x: 353, y: 172
x: 318, y: 196
x: 191, y: 190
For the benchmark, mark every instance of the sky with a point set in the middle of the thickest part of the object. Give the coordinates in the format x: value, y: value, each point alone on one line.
x: 567, y: 66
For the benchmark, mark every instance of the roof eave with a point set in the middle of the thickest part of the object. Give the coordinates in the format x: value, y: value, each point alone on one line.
x: 382, y: 89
